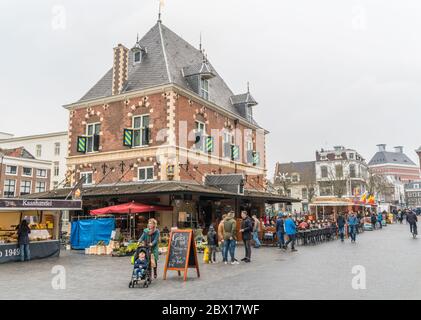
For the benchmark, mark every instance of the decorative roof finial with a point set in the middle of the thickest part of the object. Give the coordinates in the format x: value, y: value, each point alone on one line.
x: 137, y: 38
x: 161, y: 5
x: 200, y: 42
x: 248, y: 87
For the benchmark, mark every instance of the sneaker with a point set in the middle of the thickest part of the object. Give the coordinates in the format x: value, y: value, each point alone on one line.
x: 226, y: 262
x: 294, y: 250
x: 235, y: 262
x: 244, y: 259
x: 247, y: 261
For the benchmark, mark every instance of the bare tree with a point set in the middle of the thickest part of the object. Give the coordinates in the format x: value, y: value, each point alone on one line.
x: 283, y: 183
x: 377, y: 184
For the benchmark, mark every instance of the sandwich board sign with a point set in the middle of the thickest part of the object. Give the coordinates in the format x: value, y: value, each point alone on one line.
x: 182, y: 253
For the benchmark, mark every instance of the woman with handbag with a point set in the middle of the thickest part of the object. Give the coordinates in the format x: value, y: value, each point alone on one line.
x: 150, y: 237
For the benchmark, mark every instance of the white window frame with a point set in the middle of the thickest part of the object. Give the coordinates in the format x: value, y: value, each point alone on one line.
x: 227, y: 137
x: 38, y: 189
x: 14, y: 188
x: 21, y: 185
x: 56, y: 169
x: 87, y: 173
x: 38, y: 150
x: 25, y: 175
x: 9, y: 173
x: 142, y: 126
x: 91, y: 136
x: 40, y: 176
x: 146, y: 173
x: 204, y: 92
x: 200, y: 127
x: 57, y: 148
x: 134, y: 56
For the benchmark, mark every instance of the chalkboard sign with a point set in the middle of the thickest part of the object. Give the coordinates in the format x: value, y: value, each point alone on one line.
x: 181, y: 253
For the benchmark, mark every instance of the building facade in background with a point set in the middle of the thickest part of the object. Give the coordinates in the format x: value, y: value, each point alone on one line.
x: 22, y: 174
x: 297, y: 180
x: 50, y: 147
x: 413, y: 194
x: 398, y: 169
x: 341, y: 172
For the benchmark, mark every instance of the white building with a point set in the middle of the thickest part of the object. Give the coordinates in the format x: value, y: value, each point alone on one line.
x: 49, y: 147
x: 341, y: 172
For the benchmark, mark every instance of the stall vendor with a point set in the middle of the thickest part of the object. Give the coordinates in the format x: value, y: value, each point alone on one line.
x: 150, y: 237
x: 23, y: 240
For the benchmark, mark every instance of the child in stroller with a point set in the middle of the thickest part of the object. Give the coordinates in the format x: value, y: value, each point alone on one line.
x: 141, y: 267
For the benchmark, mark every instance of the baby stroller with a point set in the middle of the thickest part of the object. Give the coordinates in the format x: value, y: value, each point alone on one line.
x: 146, y: 278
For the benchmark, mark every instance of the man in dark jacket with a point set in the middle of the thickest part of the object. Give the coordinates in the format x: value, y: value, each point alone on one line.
x: 341, y: 226
x: 280, y: 231
x: 412, y: 219
x: 246, y: 230
x: 373, y: 220
x: 23, y: 240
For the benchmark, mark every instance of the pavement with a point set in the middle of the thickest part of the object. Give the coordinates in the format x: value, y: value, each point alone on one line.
x: 390, y: 261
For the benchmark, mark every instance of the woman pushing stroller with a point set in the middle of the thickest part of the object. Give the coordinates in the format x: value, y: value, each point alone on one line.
x: 150, y: 237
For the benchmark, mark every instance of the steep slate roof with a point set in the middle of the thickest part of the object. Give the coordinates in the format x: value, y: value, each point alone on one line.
x: 167, y: 55
x: 388, y: 157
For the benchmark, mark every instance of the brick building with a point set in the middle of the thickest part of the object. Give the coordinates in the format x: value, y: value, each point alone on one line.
x: 21, y: 174
x: 160, y: 122
x: 398, y: 169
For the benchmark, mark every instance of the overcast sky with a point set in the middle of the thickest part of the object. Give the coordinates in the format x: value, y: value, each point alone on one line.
x: 324, y: 72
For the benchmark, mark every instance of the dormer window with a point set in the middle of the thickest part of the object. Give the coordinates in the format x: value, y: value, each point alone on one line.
x: 137, y: 57
x: 249, y: 113
x: 204, y: 88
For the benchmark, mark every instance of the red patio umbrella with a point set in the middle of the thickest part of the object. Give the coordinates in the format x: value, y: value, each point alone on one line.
x: 129, y: 208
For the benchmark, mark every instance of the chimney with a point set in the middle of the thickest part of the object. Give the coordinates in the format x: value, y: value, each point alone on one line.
x: 120, y: 68
x: 399, y: 149
x: 382, y: 147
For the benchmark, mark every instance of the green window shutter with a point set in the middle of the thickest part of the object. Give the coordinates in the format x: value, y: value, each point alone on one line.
x: 128, y: 138
x: 81, y: 144
x: 256, y: 158
x: 210, y: 144
x: 235, y: 152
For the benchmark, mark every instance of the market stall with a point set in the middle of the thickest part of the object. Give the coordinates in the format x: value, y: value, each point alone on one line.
x: 43, y: 217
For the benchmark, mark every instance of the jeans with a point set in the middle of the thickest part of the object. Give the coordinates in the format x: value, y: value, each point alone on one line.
x: 353, y: 232
x: 256, y: 240
x: 341, y: 232
x: 291, y: 239
x: 281, y: 240
x: 380, y: 223
x: 413, y: 228
x: 229, y: 247
x: 138, y: 272
x: 247, y: 247
x: 24, y: 251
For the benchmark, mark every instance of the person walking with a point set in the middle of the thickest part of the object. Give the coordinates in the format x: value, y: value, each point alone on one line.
x: 380, y: 219
x: 246, y: 230
x: 290, y: 230
x: 280, y: 230
x: 373, y: 220
x: 23, y: 240
x: 150, y: 237
x: 230, y: 229
x: 352, y: 224
x: 341, y: 222
x: 256, y: 230
x: 412, y: 219
x: 221, y: 236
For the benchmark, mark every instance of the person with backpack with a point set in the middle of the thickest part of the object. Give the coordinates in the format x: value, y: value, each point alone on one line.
x: 352, y: 224
x: 256, y: 230
x: 280, y: 231
x: 212, y: 238
x: 246, y: 230
x: 380, y: 219
x: 230, y: 230
x: 373, y: 220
